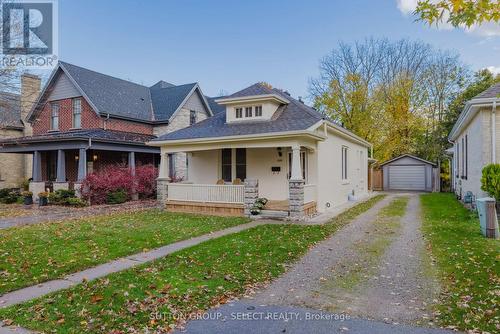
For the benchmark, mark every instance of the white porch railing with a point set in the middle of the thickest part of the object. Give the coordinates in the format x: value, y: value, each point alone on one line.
x: 309, y: 193
x: 206, y: 193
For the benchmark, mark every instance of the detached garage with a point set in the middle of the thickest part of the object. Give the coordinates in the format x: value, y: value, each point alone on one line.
x: 408, y: 172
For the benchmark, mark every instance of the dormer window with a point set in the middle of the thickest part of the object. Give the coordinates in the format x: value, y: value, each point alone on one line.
x: 248, y: 111
x: 239, y: 112
x: 258, y: 111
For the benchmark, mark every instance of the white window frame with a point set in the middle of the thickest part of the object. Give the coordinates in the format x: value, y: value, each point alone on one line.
x: 75, y: 113
x: 239, y: 113
x: 248, y: 112
x: 345, y: 163
x: 55, y: 110
x: 258, y: 111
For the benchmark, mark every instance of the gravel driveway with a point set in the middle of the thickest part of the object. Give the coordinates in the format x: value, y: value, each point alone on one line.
x: 398, y: 290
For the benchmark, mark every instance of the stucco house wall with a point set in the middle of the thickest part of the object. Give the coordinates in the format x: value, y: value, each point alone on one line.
x: 332, y: 190
x: 479, y: 153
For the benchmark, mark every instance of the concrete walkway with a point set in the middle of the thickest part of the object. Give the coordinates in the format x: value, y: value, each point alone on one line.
x: 37, y: 215
x: 23, y: 295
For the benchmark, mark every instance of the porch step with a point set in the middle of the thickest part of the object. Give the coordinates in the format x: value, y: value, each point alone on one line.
x: 273, y: 214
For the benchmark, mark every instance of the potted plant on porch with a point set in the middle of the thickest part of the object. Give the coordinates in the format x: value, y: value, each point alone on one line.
x: 28, y: 197
x: 43, y: 198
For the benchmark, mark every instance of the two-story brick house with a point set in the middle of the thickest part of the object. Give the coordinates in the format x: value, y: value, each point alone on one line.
x: 85, y: 120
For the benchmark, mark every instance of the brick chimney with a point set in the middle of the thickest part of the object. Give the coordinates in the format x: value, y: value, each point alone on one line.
x: 30, y: 89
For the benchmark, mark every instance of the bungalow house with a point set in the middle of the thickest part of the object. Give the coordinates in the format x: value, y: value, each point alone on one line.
x: 83, y: 121
x: 264, y: 144
x: 476, y: 141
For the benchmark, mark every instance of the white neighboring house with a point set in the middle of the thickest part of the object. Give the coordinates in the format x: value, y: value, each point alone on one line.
x: 476, y: 141
x: 282, y: 149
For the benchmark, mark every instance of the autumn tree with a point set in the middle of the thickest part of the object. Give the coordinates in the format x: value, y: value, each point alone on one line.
x: 458, y: 12
x: 393, y: 94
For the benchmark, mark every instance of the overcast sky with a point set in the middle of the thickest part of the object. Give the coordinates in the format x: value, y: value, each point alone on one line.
x: 228, y: 45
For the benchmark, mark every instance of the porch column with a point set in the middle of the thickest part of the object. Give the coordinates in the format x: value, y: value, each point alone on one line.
x: 163, y: 179
x: 131, y: 162
x: 37, y: 167
x: 82, y: 164
x: 296, y: 186
x: 296, y: 170
x: 61, y: 166
x: 164, y: 168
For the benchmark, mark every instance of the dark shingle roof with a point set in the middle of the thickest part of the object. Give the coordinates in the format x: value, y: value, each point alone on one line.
x: 112, y: 95
x: 493, y: 91
x: 214, y: 106
x: 166, y: 100
x: 94, y: 134
x: 255, y: 89
x: 292, y: 117
x: 123, y: 98
x: 10, y: 110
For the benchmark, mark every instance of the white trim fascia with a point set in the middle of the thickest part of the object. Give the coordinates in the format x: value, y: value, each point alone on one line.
x: 96, y: 110
x: 179, y: 108
x: 250, y: 98
x: 269, y: 135
x: 409, y: 156
x: 340, y: 129
x: 467, y: 115
x: 44, y: 90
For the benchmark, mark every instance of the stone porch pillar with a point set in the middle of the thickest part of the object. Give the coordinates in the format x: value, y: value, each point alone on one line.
x: 296, y: 186
x: 61, y: 172
x: 37, y: 185
x: 163, y: 179
x: 251, y: 194
x: 82, y: 171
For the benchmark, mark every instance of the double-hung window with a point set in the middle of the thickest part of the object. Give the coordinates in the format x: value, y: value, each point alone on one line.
x: 258, y: 111
x: 226, y: 165
x: 54, y: 116
x: 466, y: 158
x: 248, y: 111
x: 344, y: 162
x: 239, y: 112
x: 77, y: 113
x: 236, y: 162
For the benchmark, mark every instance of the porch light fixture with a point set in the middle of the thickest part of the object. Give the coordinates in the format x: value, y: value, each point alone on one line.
x: 279, y: 152
x: 94, y: 157
x: 77, y: 157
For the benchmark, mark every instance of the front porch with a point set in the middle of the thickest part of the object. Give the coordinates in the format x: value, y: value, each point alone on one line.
x: 63, y: 160
x: 228, y: 180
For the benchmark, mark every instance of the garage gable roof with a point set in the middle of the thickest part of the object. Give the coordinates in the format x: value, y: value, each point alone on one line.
x: 408, y: 156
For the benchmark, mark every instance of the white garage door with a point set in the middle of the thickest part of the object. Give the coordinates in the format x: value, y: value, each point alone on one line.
x: 407, y: 177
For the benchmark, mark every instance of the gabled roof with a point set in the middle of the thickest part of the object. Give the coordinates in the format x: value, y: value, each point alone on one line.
x: 489, y: 97
x: 408, y: 156
x: 492, y: 92
x: 10, y: 111
x: 166, y: 100
x: 124, y: 99
x: 293, y: 116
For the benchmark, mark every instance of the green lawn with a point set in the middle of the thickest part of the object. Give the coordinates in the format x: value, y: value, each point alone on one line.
x: 38, y: 253
x: 468, y: 263
x: 187, y: 281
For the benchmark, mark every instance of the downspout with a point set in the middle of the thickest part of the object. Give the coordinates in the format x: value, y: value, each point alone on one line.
x: 493, y: 133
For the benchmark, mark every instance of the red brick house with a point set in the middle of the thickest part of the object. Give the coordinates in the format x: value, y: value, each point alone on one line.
x: 85, y: 120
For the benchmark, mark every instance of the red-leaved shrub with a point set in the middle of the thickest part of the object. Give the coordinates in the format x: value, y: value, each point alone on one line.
x: 145, y: 180
x: 96, y: 186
